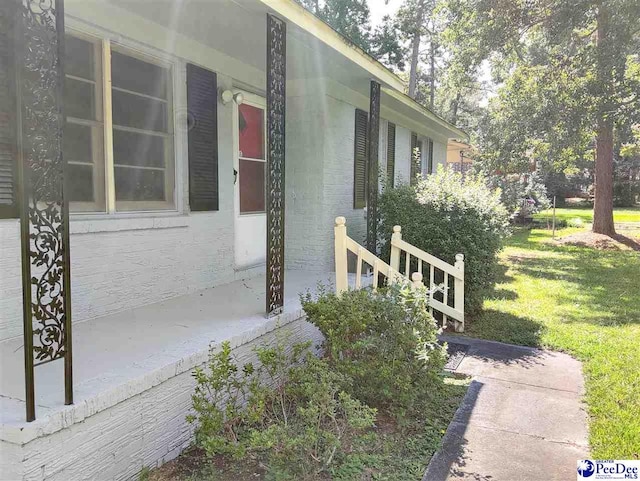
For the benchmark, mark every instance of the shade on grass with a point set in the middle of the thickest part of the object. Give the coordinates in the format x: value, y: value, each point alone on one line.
x: 584, y: 302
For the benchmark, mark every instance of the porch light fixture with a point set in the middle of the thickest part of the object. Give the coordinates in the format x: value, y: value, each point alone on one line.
x: 227, y: 96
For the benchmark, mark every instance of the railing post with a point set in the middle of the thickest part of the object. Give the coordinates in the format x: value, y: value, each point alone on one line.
x: 416, y: 280
x: 340, y: 231
x: 458, y: 302
x: 394, y: 260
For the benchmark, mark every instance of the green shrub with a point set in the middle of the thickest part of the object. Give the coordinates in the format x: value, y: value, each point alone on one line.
x: 383, y: 342
x: 446, y: 214
x: 522, y: 195
x: 290, y: 409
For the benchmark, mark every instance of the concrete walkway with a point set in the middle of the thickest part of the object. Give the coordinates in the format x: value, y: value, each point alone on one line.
x: 521, y: 420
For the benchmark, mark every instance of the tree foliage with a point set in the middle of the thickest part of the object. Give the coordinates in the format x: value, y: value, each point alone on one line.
x: 570, y: 82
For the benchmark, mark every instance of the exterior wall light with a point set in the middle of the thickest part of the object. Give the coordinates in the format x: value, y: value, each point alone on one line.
x: 228, y: 96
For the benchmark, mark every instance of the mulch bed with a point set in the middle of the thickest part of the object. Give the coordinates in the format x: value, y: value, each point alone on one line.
x: 601, y: 241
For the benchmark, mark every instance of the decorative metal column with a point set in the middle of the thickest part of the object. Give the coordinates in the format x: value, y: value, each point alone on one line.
x: 276, y: 106
x: 44, y: 213
x: 372, y: 167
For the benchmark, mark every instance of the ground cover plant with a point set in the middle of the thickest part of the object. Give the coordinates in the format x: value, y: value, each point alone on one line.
x: 374, y: 406
x: 585, y: 302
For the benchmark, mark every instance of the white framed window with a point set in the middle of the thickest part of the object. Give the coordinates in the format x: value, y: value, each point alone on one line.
x: 119, y: 135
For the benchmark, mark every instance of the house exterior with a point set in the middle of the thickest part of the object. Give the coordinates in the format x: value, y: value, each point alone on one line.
x: 180, y: 190
x: 459, y: 155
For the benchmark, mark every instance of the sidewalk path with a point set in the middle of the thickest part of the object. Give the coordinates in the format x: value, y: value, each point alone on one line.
x: 521, y: 420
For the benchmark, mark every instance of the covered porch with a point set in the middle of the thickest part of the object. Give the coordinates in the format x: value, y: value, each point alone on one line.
x: 124, y: 354
x: 61, y: 367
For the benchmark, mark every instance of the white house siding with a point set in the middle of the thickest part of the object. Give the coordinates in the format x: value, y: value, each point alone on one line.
x: 306, y: 121
x: 403, y: 155
x: 338, y: 175
x: 439, y: 154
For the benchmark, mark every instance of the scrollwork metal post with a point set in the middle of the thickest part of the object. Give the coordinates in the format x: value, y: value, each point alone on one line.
x: 372, y: 167
x: 44, y: 213
x: 276, y: 108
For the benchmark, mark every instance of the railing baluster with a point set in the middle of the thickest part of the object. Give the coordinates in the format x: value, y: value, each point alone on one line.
x: 431, y: 271
x: 359, y: 269
x: 375, y: 267
x: 376, y: 270
x: 446, y: 298
x: 342, y: 275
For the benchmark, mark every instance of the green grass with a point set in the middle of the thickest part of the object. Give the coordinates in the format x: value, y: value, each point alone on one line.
x: 587, y: 303
x: 586, y: 214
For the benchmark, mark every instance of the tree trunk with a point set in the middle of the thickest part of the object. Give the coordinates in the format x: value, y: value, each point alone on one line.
x: 415, y: 49
x: 432, y: 91
x: 454, y: 109
x: 413, y: 73
x: 603, y: 202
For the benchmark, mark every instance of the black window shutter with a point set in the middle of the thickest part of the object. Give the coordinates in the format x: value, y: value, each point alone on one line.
x: 202, y: 122
x: 391, y: 153
x: 430, y: 156
x: 360, y: 160
x: 8, y: 187
x: 415, y: 166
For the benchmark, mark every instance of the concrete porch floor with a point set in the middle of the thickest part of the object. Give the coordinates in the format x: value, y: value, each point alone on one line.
x: 118, y: 356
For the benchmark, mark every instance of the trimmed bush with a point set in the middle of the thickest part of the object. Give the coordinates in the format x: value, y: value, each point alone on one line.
x: 289, y: 409
x: 446, y: 214
x: 383, y: 342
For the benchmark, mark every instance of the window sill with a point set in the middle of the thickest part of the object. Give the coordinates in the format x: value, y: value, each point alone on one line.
x: 83, y: 224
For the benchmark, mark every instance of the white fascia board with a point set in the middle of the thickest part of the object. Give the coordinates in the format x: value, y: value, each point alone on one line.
x: 310, y: 23
x: 455, y: 132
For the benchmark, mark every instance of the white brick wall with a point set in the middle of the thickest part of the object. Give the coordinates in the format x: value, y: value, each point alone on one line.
x: 305, y: 153
x: 439, y: 154
x: 338, y: 175
x: 403, y: 155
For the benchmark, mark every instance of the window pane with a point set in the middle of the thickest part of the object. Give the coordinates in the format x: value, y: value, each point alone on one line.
x: 130, y: 148
x: 251, y: 128
x: 80, y: 183
x: 79, y: 100
x: 139, y: 184
x: 252, y: 195
x: 138, y: 76
x: 139, y: 112
x: 79, y: 59
x: 77, y: 143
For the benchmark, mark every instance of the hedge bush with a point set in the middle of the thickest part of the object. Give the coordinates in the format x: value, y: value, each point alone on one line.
x: 384, y: 342
x: 446, y: 214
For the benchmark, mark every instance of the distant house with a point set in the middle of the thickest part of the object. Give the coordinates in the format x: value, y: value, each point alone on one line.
x: 459, y: 155
x: 179, y: 191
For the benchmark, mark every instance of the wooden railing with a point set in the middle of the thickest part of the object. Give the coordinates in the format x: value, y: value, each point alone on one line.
x: 406, y: 262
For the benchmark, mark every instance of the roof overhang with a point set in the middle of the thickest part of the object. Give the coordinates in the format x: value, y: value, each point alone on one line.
x: 392, y: 85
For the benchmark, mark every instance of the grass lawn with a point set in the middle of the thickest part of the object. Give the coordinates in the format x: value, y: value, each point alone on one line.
x: 585, y: 302
x: 586, y: 214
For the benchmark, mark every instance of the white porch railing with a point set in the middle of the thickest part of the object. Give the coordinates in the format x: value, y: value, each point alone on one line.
x: 414, y: 258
